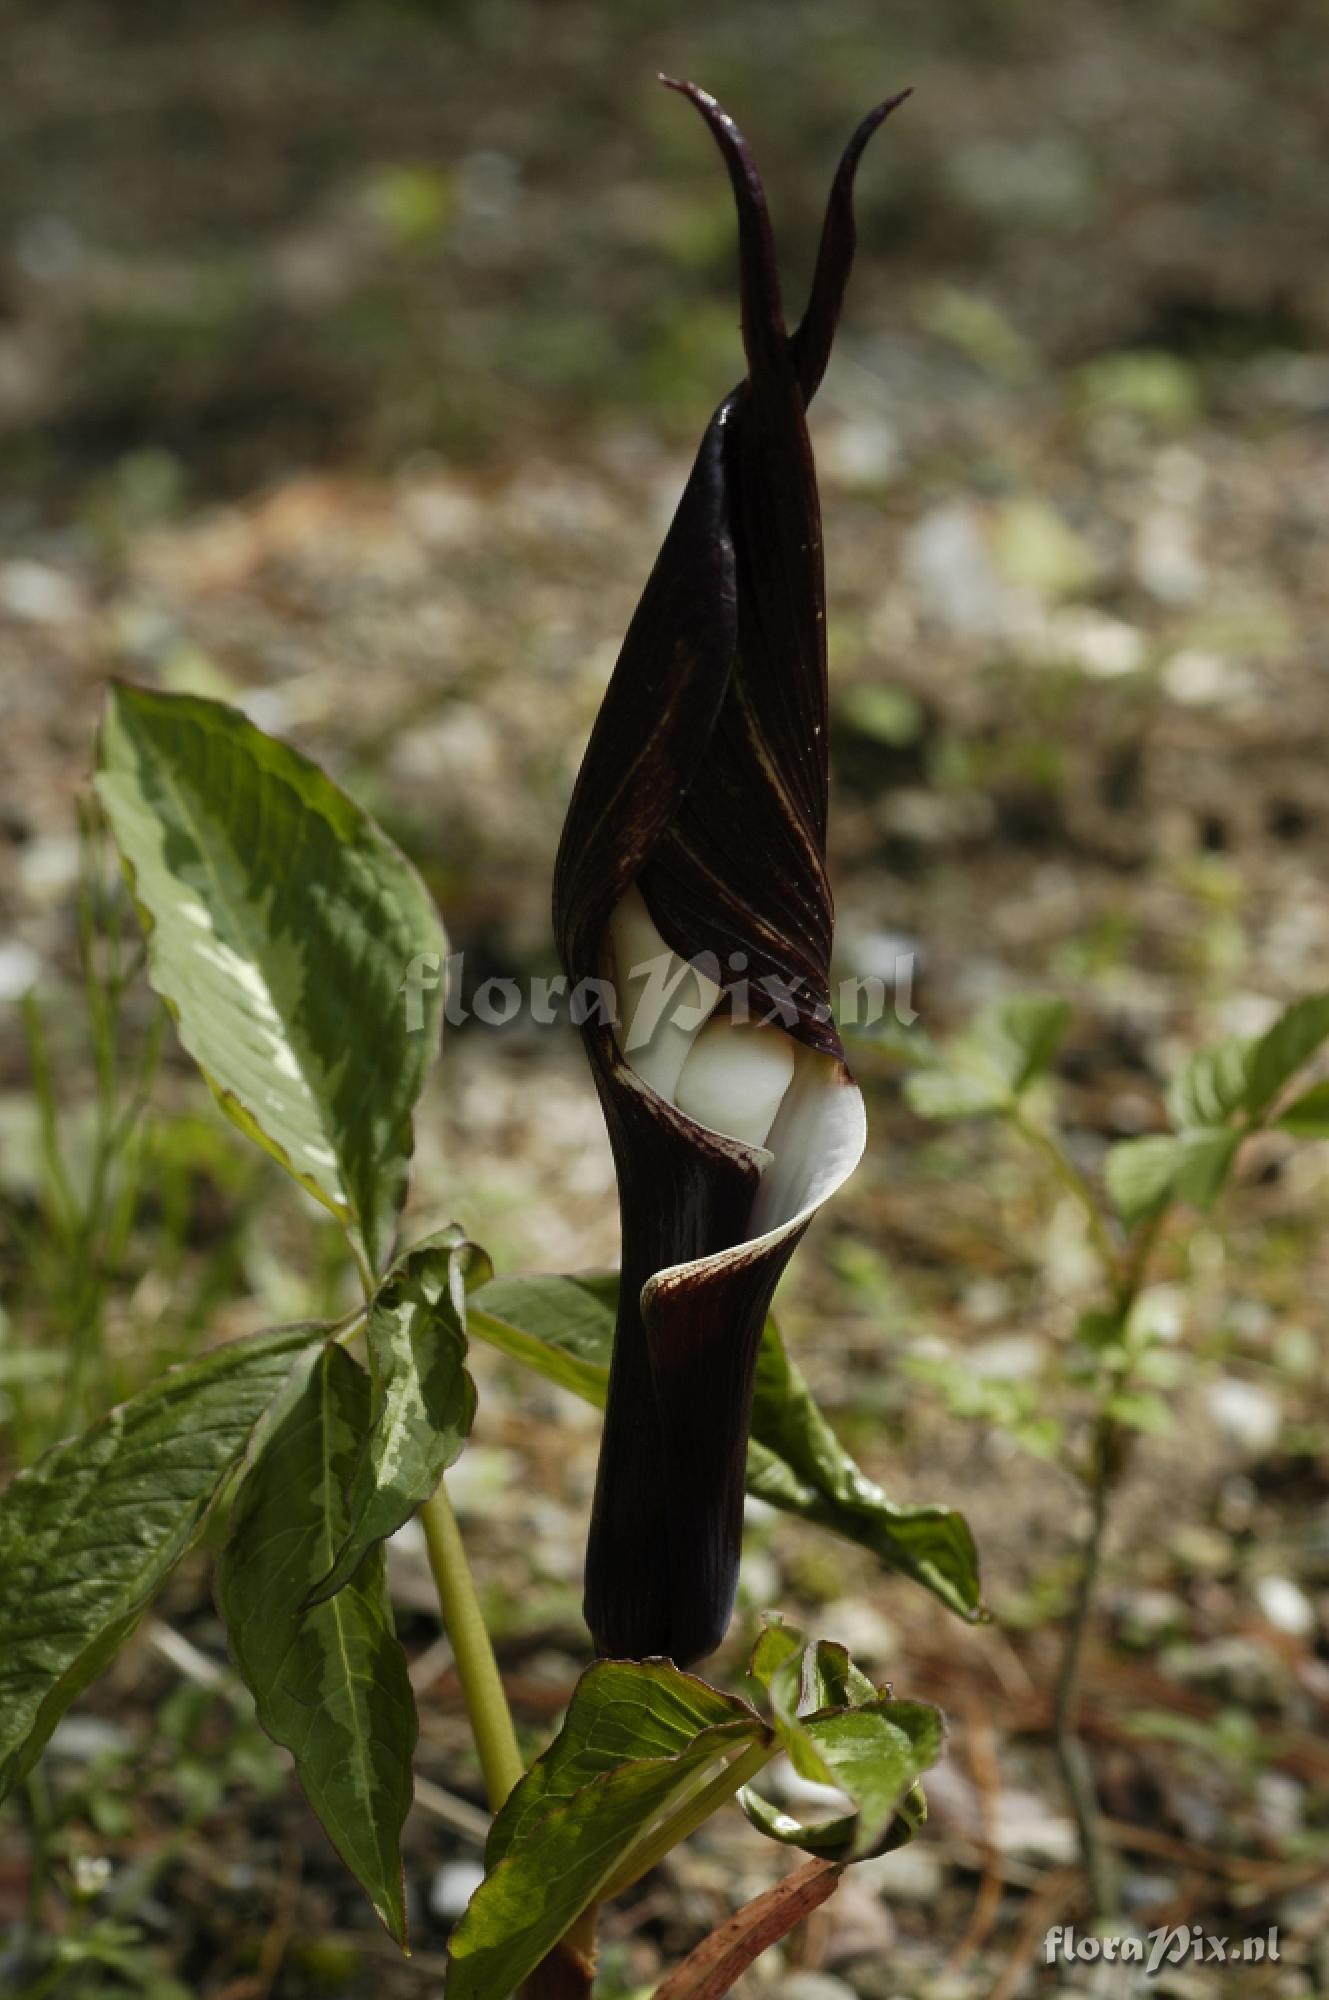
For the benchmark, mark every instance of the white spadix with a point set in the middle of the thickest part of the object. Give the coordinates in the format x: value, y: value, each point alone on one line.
x: 656, y: 1033
x: 735, y: 1078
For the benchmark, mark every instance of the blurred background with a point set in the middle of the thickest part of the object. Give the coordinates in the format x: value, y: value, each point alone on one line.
x: 351, y: 361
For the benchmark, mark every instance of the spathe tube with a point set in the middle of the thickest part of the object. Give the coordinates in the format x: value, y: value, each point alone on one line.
x: 703, y: 792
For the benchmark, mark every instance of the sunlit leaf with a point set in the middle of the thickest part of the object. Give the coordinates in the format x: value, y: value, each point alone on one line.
x: 1206, y: 1161
x: 838, y: 1729
x: 329, y: 1682
x: 776, y: 1643
x: 296, y: 947
x: 1140, y: 1410
x: 564, y: 1329
x: 424, y: 1401
x: 949, y: 1093
x: 987, y: 1069
x: 1212, y: 1085
x: 646, y: 1753
x: 1307, y: 1117
x: 876, y: 1753
x: 91, y: 1532
x: 1280, y: 1053
x: 1140, y: 1175
x: 1023, y: 1037
x: 621, y: 1710
x: 830, y: 1838
x: 1143, y: 1174
x: 803, y: 1679
x: 828, y: 1678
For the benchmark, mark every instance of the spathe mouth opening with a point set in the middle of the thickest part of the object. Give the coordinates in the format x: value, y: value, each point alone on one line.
x: 794, y: 1110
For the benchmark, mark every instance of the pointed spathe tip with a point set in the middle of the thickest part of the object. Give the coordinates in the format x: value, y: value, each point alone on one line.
x: 688, y: 89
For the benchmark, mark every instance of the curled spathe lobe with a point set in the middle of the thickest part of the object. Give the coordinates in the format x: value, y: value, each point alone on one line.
x: 700, y: 809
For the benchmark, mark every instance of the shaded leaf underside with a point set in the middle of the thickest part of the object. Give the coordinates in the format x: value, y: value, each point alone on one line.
x: 564, y: 1328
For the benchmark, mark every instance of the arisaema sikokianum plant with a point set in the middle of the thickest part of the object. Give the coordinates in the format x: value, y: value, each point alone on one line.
x: 283, y: 930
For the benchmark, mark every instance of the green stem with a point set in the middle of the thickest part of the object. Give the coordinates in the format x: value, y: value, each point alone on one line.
x: 48, y: 1116
x: 477, y: 1669
x: 368, y: 1282
x: 1124, y: 1272
x: 1130, y: 1280
x: 1076, y: 1769
x: 463, y: 1620
x: 1126, y: 1275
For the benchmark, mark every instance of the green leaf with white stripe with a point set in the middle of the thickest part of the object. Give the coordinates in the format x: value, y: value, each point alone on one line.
x: 645, y: 1754
x: 424, y: 1401
x: 90, y: 1533
x: 330, y: 1682
x: 293, y: 943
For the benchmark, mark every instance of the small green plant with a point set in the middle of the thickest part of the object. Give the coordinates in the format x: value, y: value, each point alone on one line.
x: 206, y: 1743
x: 73, y: 1238
x: 1119, y: 1361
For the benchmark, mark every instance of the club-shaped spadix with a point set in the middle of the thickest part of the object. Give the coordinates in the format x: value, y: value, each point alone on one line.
x: 735, y: 1077
x: 662, y: 1000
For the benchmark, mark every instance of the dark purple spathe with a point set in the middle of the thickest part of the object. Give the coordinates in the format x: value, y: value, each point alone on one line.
x: 704, y: 788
